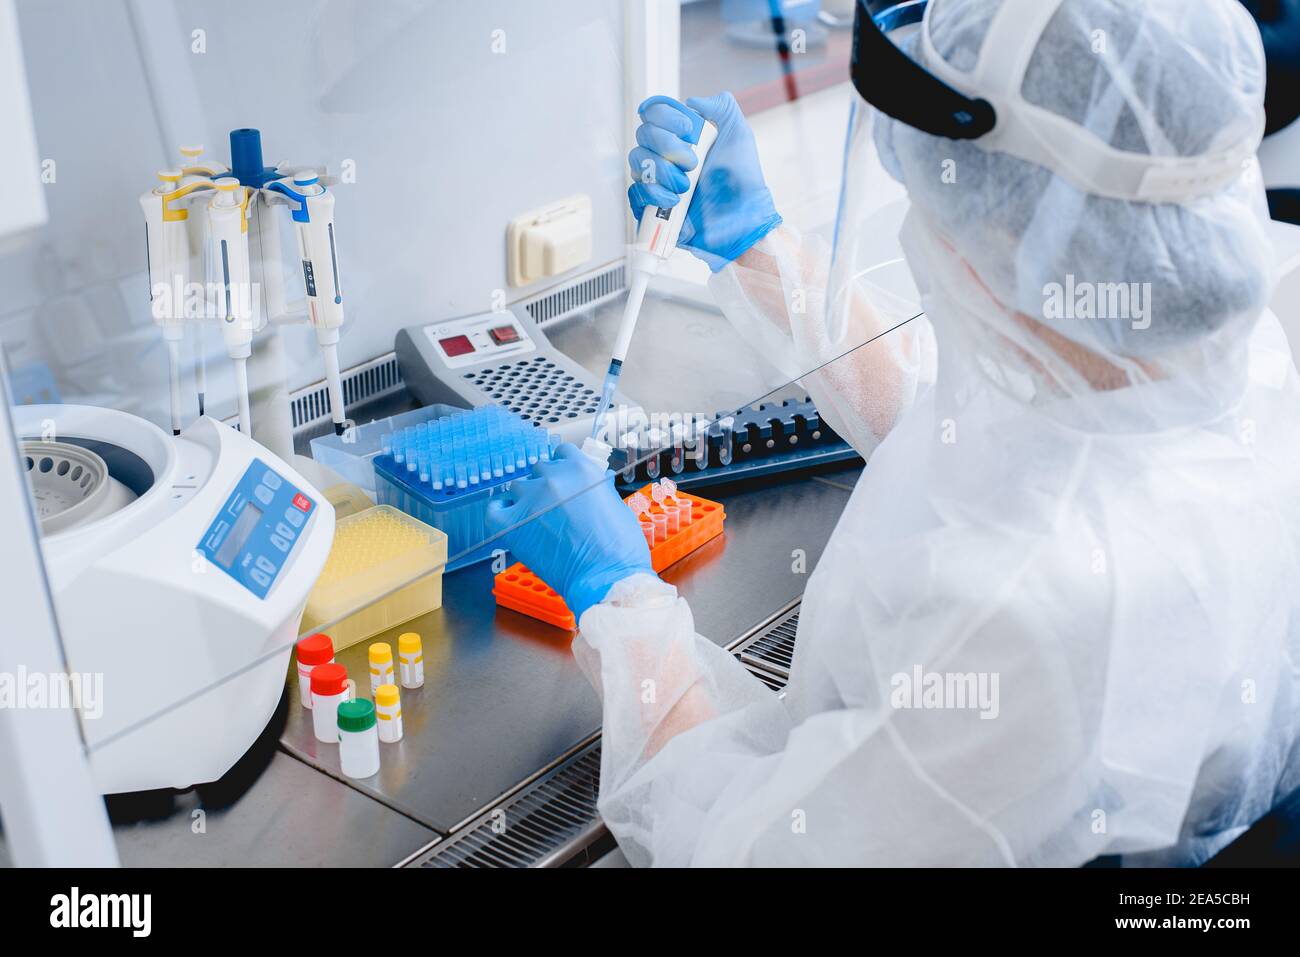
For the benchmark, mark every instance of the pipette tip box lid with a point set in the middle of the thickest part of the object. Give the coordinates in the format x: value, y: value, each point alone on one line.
x: 374, y: 552
x: 352, y: 455
x: 518, y: 589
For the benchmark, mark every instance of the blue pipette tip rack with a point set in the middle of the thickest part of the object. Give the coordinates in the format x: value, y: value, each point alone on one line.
x: 444, y: 471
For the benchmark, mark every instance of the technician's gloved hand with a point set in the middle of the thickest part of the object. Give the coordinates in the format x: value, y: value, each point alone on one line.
x: 732, y: 208
x: 568, y: 525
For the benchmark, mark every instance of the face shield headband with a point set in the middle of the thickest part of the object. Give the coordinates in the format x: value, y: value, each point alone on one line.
x: 901, y: 88
x: 931, y: 100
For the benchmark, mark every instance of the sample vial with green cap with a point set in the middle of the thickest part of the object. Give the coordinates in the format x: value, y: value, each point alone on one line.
x: 358, y: 739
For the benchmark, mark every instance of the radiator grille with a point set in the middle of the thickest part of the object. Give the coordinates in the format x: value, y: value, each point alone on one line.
x: 772, y: 681
x: 310, y: 406
x: 556, y: 813
x: 578, y: 295
x: 772, y: 650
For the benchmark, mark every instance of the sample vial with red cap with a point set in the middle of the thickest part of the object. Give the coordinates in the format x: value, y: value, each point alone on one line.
x: 329, y: 689
x: 313, y: 650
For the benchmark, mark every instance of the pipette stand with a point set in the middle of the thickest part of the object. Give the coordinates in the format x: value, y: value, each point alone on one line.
x: 267, y: 368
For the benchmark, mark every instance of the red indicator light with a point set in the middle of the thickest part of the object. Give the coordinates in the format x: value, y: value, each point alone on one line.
x: 456, y: 345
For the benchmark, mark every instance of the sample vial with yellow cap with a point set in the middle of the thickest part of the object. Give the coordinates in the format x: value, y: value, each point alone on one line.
x: 388, y: 709
x: 411, y: 654
x: 381, y: 665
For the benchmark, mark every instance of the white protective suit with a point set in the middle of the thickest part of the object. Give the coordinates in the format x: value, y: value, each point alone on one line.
x: 1102, y: 515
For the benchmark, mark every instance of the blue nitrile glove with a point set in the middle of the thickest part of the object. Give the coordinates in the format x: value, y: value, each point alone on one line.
x: 732, y: 208
x: 568, y: 525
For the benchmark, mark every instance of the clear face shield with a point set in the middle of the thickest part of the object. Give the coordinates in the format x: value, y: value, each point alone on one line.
x: 1078, y: 199
x: 872, y: 290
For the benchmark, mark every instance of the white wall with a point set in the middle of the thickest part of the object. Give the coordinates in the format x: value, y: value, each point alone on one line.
x: 448, y: 138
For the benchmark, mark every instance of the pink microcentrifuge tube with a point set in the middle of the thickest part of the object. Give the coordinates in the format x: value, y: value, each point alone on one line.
x: 685, y: 512
x: 670, y: 512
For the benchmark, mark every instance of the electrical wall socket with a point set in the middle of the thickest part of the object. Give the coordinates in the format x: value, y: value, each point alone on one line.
x: 549, y: 241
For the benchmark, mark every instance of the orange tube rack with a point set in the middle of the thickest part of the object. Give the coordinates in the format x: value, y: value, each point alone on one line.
x: 520, y: 590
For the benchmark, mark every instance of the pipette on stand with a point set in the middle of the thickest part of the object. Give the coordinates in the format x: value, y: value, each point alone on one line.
x: 656, y: 239
x: 196, y: 170
x: 193, y: 164
x: 228, y: 219
x: 200, y: 359
x: 313, y: 218
x: 168, y: 246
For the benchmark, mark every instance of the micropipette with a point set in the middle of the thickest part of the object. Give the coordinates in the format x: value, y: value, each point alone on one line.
x: 193, y: 164
x: 313, y: 217
x: 168, y: 245
x: 228, y: 222
x: 656, y: 239
x: 195, y: 171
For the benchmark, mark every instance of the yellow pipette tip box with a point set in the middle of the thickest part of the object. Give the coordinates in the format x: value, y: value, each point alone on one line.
x: 375, y: 551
